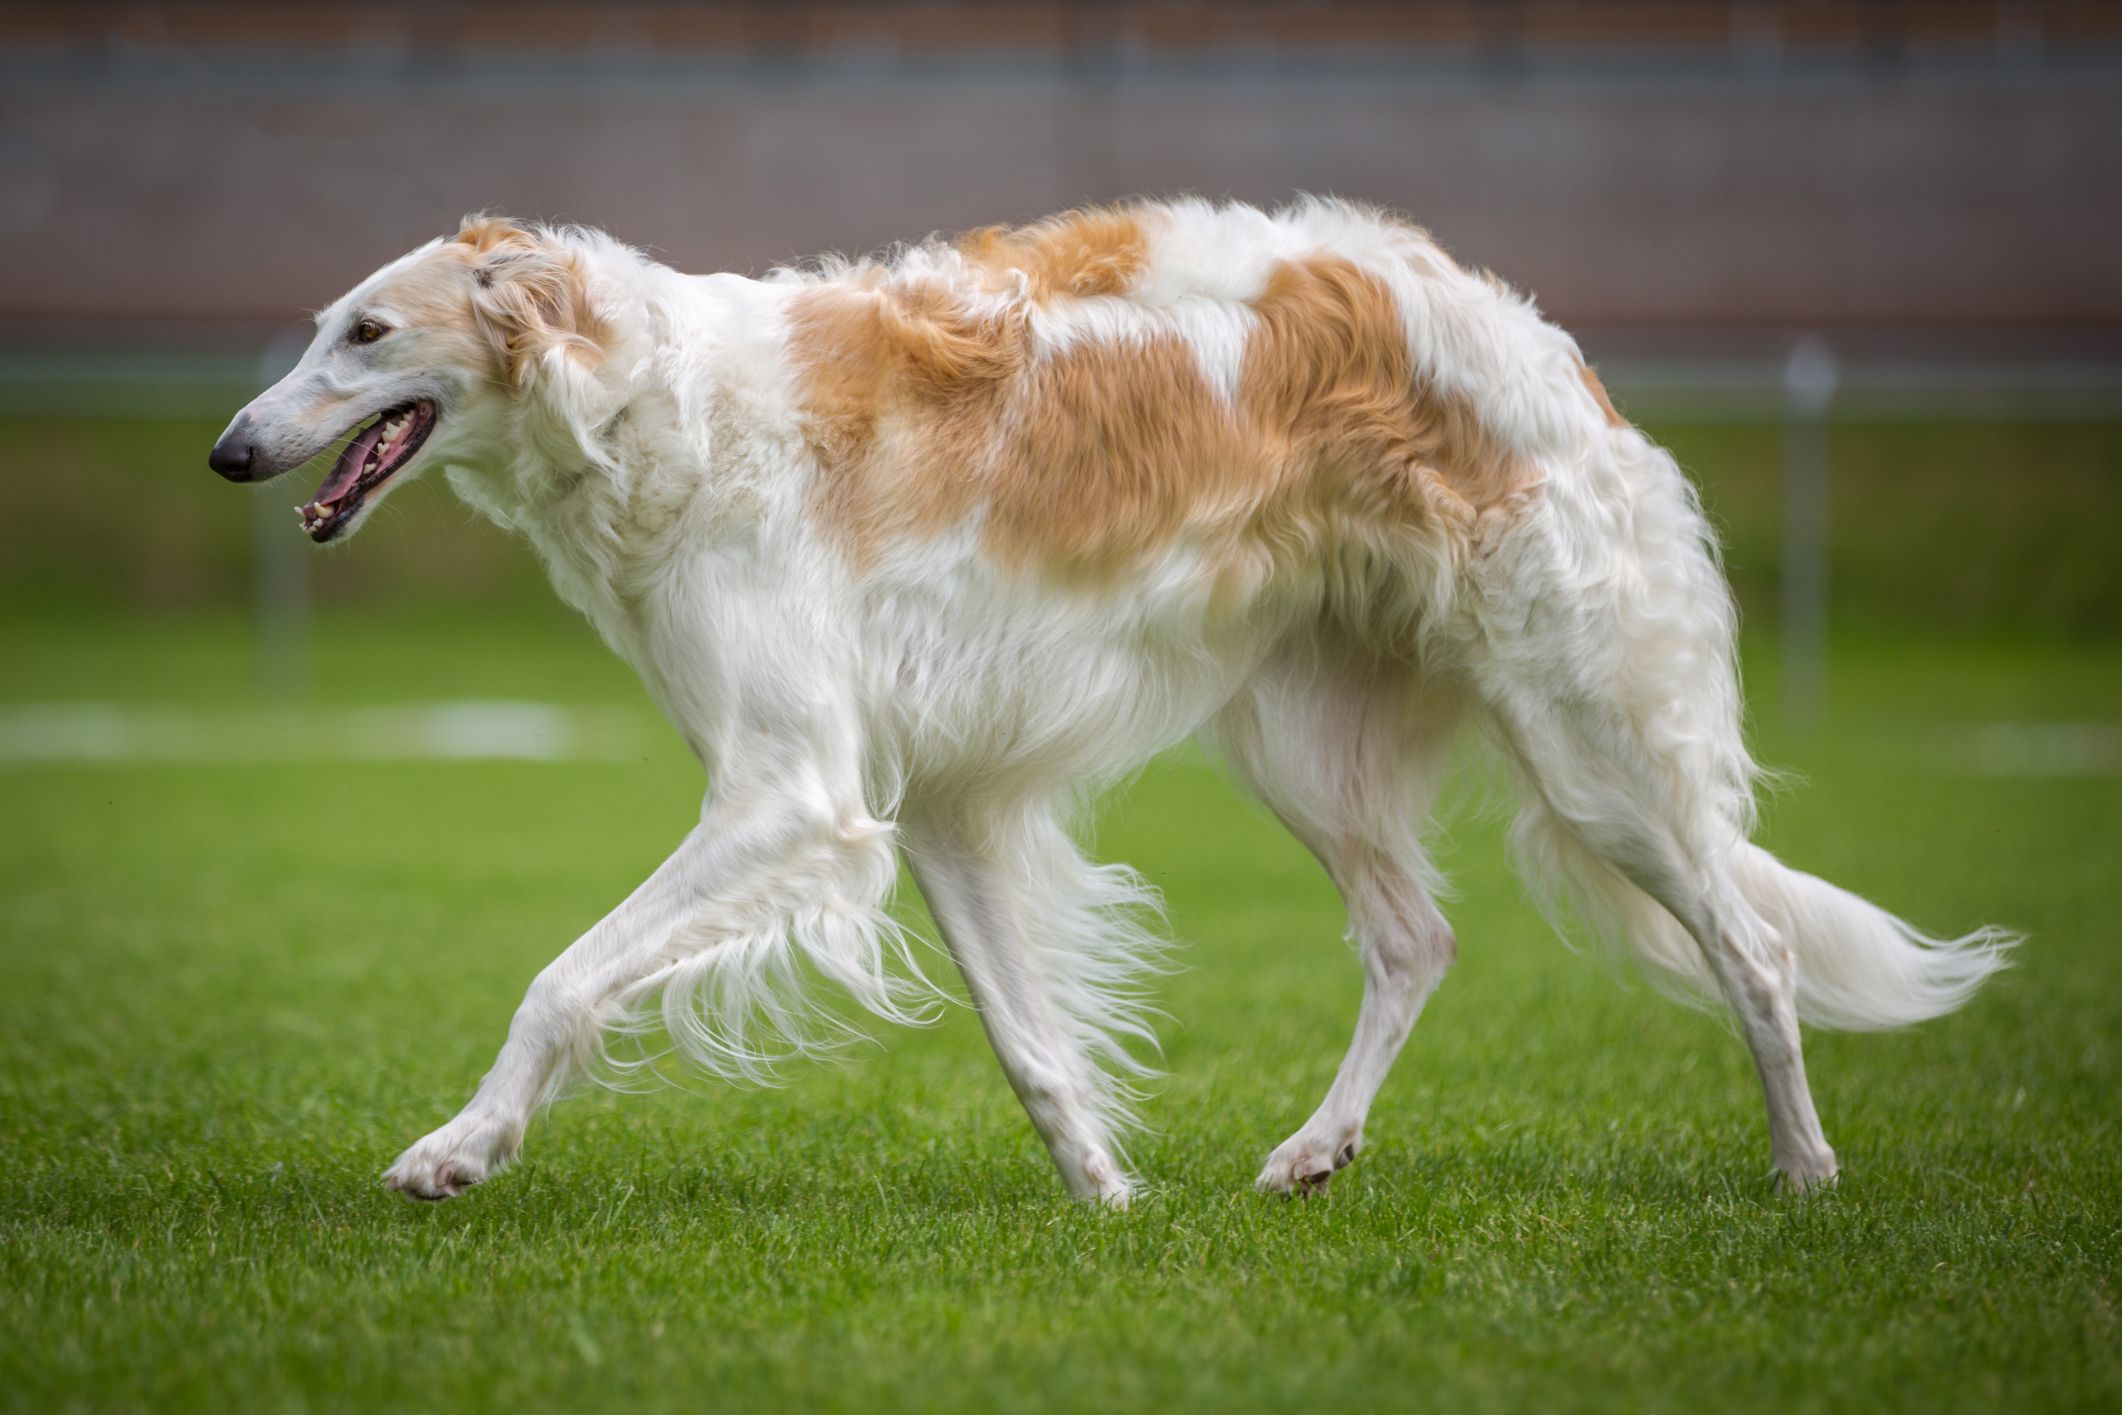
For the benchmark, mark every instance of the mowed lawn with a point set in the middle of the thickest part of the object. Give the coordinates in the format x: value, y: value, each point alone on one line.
x: 230, y: 993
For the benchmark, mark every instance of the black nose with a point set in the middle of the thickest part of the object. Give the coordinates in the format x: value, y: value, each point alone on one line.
x: 233, y: 456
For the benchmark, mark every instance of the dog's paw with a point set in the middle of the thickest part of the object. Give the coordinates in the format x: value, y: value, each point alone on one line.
x: 1306, y: 1163
x: 1808, y: 1174
x: 452, y: 1160
x: 1102, y: 1180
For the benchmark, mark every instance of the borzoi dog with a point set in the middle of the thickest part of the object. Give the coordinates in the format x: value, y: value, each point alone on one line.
x: 920, y: 551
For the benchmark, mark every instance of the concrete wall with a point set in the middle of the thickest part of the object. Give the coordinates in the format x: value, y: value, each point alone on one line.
x: 232, y: 191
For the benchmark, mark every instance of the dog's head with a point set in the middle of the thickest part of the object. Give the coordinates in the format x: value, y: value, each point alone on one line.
x: 421, y: 363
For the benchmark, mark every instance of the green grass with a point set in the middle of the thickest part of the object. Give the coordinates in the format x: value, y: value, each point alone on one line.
x: 229, y: 995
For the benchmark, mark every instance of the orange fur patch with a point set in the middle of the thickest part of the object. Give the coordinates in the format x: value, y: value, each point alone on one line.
x: 1598, y: 393
x: 528, y: 296
x: 901, y: 391
x: 1089, y: 460
x: 1098, y: 251
x: 1084, y: 460
x: 1329, y: 379
x: 485, y: 233
x: 1113, y: 450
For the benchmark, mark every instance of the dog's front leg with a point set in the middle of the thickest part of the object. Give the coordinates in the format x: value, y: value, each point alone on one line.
x: 755, y: 853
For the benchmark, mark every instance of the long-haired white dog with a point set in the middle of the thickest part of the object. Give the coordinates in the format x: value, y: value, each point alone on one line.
x: 922, y: 550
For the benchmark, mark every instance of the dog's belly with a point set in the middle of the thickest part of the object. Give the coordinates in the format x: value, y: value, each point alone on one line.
x: 1003, y: 687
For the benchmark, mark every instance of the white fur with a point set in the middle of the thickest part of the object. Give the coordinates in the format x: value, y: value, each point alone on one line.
x: 944, y: 705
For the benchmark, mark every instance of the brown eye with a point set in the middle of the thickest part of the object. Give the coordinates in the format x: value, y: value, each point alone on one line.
x: 368, y: 331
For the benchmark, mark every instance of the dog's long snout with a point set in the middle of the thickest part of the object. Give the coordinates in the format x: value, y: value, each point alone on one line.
x: 235, y: 454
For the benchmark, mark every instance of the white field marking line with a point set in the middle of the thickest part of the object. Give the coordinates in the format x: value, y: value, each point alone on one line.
x: 2041, y: 749
x: 468, y: 730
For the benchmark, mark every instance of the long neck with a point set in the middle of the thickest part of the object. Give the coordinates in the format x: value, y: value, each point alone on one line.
x: 690, y: 364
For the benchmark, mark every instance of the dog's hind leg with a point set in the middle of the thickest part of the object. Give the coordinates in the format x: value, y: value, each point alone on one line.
x: 1606, y: 816
x: 1348, y: 752
x: 1610, y: 680
x: 1052, y: 949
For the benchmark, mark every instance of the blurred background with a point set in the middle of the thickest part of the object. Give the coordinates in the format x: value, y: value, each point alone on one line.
x: 1855, y: 262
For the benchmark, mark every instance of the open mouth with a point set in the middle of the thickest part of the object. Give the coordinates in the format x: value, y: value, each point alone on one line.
x: 371, y: 459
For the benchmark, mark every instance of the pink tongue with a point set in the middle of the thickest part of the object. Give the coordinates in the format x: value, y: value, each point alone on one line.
x: 347, y: 470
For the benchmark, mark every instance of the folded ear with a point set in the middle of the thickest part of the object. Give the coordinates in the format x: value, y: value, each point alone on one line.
x: 529, y: 299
